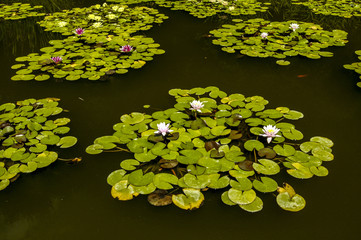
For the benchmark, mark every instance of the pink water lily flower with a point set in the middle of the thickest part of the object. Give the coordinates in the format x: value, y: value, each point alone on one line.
x: 126, y: 48
x: 264, y: 35
x: 196, y: 105
x: 56, y: 60
x: 294, y: 26
x: 79, y: 31
x: 270, y: 132
x: 163, y: 128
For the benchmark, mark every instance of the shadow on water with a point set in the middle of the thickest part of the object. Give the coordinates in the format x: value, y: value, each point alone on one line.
x: 74, y: 202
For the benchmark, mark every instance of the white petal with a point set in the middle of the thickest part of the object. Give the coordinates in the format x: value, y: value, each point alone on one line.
x: 269, y: 139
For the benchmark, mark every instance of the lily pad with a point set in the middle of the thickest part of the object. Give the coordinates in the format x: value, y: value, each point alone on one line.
x: 294, y: 204
x: 190, y: 200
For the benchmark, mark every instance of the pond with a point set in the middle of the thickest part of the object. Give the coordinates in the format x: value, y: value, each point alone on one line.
x: 73, y: 201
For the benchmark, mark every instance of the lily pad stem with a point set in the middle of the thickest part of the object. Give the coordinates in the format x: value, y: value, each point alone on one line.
x: 255, y: 156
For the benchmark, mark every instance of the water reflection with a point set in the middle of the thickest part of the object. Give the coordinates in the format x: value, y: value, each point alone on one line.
x: 17, y: 229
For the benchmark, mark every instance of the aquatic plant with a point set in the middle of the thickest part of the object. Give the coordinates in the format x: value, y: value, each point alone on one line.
x: 341, y: 8
x: 17, y: 11
x: 126, y: 48
x: 100, y: 46
x: 88, y: 56
x: 207, y: 8
x: 284, y: 39
x: 356, y: 66
x: 29, y: 135
x: 221, y: 147
x: 79, y: 31
x: 97, y: 21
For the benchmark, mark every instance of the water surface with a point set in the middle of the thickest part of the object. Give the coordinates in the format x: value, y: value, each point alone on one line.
x: 74, y: 202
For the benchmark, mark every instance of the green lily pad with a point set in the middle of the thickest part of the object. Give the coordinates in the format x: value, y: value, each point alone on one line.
x: 241, y: 197
x: 294, y: 204
x: 190, y: 200
x: 255, y: 206
x: 265, y: 185
x: 164, y: 181
x: 267, y: 167
x: 129, y: 164
x: 137, y: 178
x: 67, y: 142
x: 253, y: 144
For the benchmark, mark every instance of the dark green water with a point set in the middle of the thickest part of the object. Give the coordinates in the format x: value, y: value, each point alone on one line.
x: 74, y: 202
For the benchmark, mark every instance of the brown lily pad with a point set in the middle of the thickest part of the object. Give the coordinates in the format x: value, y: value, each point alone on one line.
x: 246, y: 165
x: 211, y: 144
x: 168, y: 163
x: 160, y: 198
x: 268, y: 153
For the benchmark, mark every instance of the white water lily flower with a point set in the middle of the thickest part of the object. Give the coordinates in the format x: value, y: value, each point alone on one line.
x: 111, y: 16
x: 294, y: 26
x: 62, y: 24
x: 97, y: 24
x: 231, y: 8
x: 115, y: 8
x: 121, y: 9
x: 264, y: 35
x: 97, y: 18
x: 270, y: 132
x: 163, y: 128
x: 196, y: 105
x: 105, y: 4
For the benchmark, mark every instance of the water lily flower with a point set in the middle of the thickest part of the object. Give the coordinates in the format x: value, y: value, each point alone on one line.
x: 126, y: 48
x: 163, y: 128
x: 111, y: 16
x: 97, y: 18
x: 115, y: 8
x: 294, y: 26
x: 264, y: 35
x: 231, y: 8
x: 79, y: 31
x: 97, y: 24
x: 196, y: 105
x: 56, y: 60
x: 62, y: 24
x: 97, y: 6
x: 121, y: 9
x: 270, y: 132
x: 105, y: 4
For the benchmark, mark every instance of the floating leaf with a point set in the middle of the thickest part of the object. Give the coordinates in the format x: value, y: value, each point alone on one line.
x: 66, y: 142
x: 267, y: 167
x: 160, y: 198
x: 294, y: 204
x: 190, y: 200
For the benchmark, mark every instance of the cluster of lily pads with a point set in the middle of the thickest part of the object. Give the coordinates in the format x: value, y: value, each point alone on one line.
x: 103, y: 20
x: 17, y: 11
x: 28, y: 137
x: 99, y: 42
x: 211, y: 140
x: 341, y: 8
x: 356, y: 66
x: 262, y: 38
x: 207, y: 8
